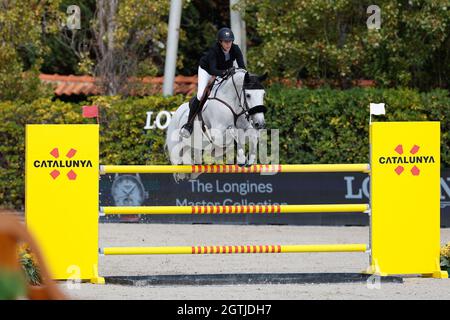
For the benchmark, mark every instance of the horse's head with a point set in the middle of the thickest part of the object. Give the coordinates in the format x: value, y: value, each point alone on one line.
x: 254, y: 92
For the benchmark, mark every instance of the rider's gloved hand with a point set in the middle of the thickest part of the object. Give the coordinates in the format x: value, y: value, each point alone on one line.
x: 228, y: 72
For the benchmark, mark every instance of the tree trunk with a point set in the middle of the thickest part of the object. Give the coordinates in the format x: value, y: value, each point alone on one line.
x: 107, y: 62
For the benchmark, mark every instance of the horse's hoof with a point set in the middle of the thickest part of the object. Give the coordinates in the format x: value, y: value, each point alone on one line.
x: 178, y: 177
x: 244, y: 164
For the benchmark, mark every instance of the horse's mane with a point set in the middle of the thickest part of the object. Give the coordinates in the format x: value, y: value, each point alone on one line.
x: 253, y: 83
x: 250, y: 81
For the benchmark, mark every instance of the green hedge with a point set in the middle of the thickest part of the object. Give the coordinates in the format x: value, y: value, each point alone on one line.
x: 123, y: 139
x: 316, y: 126
x: 332, y: 126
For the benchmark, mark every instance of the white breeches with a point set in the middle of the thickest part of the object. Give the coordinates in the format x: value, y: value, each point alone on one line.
x: 203, y: 79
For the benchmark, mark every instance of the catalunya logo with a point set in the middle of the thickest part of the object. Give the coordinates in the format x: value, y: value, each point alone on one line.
x: 57, y: 164
x: 412, y: 161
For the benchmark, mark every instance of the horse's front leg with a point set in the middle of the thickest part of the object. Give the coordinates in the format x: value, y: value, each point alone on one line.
x: 253, y: 136
x: 241, y: 159
x: 240, y: 156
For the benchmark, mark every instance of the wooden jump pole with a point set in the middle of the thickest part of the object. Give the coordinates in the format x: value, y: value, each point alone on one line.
x: 227, y: 249
x: 258, y: 168
x: 256, y: 209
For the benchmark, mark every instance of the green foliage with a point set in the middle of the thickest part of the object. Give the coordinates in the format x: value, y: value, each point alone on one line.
x: 330, y: 40
x: 69, y: 49
x: 445, y: 258
x: 16, y: 84
x: 23, y: 24
x: 200, y: 21
x: 122, y: 135
x: 445, y: 264
x: 141, y: 29
x: 141, y: 32
x: 14, y: 116
x: 316, y: 126
x: 331, y: 126
x: 12, y: 285
x: 30, y: 269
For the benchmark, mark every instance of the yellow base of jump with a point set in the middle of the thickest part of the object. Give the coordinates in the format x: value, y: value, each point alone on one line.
x: 374, y: 269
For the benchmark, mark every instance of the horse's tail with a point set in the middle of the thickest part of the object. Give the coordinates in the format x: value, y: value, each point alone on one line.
x: 166, y: 150
x: 171, y: 136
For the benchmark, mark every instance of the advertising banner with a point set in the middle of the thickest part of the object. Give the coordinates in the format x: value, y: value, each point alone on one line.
x: 249, y: 189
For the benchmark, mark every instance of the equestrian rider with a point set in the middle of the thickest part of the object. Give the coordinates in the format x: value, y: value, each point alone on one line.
x: 217, y: 61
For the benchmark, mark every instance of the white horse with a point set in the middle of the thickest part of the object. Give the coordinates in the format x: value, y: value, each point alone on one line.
x: 233, y: 113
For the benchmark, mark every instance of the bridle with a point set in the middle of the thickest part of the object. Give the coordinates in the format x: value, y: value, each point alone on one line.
x: 246, y: 110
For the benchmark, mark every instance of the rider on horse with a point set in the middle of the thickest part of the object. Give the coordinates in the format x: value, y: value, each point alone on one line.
x: 217, y: 61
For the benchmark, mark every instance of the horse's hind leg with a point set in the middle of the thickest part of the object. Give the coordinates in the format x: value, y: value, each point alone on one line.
x: 218, y: 155
x: 182, y: 157
x: 188, y: 160
x: 194, y: 176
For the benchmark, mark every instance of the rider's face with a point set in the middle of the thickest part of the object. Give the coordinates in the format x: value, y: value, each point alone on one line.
x: 226, y: 45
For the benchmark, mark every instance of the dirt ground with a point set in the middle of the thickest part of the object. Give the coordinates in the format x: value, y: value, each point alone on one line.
x: 172, y: 235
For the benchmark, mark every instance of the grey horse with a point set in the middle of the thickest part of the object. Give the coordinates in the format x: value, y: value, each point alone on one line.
x: 233, y: 113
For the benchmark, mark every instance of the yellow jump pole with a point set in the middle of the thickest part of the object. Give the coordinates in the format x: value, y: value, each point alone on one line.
x: 235, y: 249
x: 258, y: 168
x: 294, y: 208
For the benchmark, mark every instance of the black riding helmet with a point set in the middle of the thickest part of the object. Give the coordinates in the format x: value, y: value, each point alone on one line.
x: 225, y: 34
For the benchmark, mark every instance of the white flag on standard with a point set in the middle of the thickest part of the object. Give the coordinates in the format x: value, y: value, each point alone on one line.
x: 377, y: 108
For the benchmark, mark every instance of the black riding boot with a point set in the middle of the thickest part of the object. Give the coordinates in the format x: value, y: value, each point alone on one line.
x: 186, y: 130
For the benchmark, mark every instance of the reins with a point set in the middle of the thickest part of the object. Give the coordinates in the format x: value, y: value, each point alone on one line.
x: 245, y: 109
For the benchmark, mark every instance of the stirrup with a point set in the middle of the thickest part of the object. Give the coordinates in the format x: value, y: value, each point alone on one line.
x: 186, y: 130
